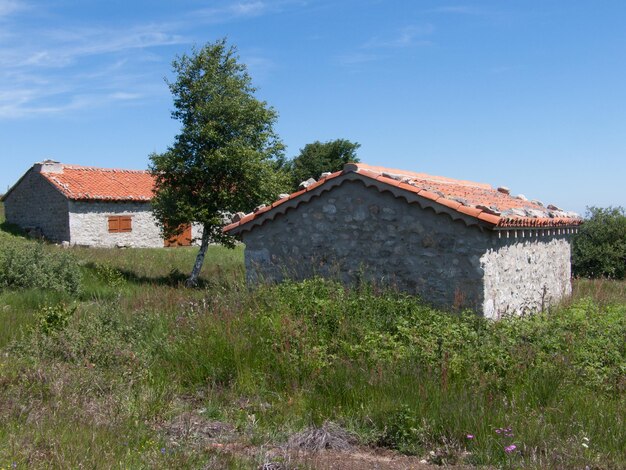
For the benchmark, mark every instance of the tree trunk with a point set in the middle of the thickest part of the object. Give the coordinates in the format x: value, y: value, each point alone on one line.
x: 195, y: 272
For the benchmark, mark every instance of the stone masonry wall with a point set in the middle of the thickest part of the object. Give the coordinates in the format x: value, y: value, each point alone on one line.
x: 88, y: 223
x: 35, y: 203
x: 526, y: 275
x: 354, y: 232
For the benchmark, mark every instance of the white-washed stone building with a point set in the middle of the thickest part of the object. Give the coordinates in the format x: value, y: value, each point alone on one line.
x: 87, y: 206
x: 454, y: 243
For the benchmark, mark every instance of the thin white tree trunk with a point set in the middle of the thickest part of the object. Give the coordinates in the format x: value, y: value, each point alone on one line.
x: 195, y: 272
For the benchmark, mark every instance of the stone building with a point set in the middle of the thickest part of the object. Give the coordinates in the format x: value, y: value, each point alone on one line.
x: 455, y: 243
x: 87, y: 206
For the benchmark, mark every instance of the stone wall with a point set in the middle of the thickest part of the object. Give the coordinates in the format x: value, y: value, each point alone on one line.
x: 354, y: 232
x: 196, y: 233
x: 525, y: 275
x: 35, y: 203
x: 88, y: 223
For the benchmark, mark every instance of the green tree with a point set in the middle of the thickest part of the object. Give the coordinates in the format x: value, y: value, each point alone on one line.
x: 318, y: 157
x: 599, y: 248
x: 225, y: 157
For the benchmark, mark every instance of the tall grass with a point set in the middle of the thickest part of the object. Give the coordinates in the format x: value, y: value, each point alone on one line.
x: 93, y: 378
x: 411, y: 378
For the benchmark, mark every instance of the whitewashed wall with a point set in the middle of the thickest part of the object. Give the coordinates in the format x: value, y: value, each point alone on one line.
x: 526, y: 276
x: 88, y: 222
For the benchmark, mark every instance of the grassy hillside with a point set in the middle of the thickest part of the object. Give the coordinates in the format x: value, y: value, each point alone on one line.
x: 132, y: 370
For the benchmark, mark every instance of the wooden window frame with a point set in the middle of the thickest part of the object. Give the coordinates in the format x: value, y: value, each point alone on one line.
x: 120, y: 223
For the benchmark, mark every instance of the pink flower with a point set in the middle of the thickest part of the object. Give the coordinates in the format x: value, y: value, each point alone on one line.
x: 509, y: 449
x: 470, y: 436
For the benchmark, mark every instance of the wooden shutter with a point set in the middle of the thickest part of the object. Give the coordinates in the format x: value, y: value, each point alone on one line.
x: 114, y: 224
x: 126, y: 224
x: 120, y: 223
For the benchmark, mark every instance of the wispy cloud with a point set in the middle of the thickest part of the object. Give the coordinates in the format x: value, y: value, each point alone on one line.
x: 455, y: 9
x: 8, y: 7
x: 47, y: 70
x: 64, y: 48
x: 28, y: 104
x: 380, y: 47
x: 58, y: 71
x: 502, y: 69
x: 230, y: 11
x: 406, y: 37
x: 468, y: 10
x: 357, y: 58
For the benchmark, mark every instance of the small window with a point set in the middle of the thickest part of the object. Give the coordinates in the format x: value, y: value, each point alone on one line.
x: 120, y: 224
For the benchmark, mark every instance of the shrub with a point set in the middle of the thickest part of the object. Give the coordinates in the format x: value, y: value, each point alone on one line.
x: 599, y: 248
x: 53, y: 318
x: 100, y: 337
x: 31, y: 265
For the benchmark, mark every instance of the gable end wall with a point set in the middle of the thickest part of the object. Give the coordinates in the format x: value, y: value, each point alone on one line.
x: 36, y: 203
x: 355, y: 232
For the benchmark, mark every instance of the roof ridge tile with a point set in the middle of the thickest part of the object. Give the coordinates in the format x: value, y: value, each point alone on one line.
x: 478, y: 201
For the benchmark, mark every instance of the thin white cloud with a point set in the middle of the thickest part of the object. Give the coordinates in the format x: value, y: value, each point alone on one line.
x: 31, y: 103
x: 231, y: 11
x: 47, y: 71
x: 454, y: 9
x: 125, y: 96
x: 379, y: 47
x: 52, y: 72
x: 357, y: 58
x: 60, y: 53
x: 467, y: 10
x: 406, y: 37
x: 8, y: 7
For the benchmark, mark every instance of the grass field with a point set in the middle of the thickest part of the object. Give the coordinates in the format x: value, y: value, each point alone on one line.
x: 132, y: 370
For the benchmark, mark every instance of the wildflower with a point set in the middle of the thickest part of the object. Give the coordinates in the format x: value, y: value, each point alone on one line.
x: 470, y: 436
x: 163, y: 450
x: 498, y: 431
x: 509, y: 449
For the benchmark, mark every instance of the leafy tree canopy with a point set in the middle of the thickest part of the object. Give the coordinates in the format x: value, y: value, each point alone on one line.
x: 318, y: 157
x: 599, y: 248
x: 225, y: 157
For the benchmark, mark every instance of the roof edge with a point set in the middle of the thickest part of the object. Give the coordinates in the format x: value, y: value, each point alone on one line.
x: 399, y: 188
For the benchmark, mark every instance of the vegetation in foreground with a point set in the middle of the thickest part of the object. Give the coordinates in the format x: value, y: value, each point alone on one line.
x: 129, y: 369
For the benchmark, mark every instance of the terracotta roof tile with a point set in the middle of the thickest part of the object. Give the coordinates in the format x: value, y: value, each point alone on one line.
x: 89, y: 183
x: 479, y: 201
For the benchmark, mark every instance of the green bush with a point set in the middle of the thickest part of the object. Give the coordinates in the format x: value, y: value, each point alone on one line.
x: 100, y: 337
x: 52, y: 318
x: 599, y: 248
x: 297, y: 333
x: 32, y: 265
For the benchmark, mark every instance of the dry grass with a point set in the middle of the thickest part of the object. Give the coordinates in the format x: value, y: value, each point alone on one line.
x: 602, y: 291
x: 329, y: 436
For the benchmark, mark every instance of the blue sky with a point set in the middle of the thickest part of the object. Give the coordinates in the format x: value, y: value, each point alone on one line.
x: 526, y: 94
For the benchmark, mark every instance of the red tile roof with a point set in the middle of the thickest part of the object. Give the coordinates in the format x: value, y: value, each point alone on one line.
x: 85, y: 183
x: 480, y: 201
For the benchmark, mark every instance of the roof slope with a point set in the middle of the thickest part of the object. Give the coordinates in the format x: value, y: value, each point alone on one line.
x: 83, y: 183
x: 478, y: 203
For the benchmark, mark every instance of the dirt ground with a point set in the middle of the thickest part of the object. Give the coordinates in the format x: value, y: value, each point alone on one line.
x: 324, y: 449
